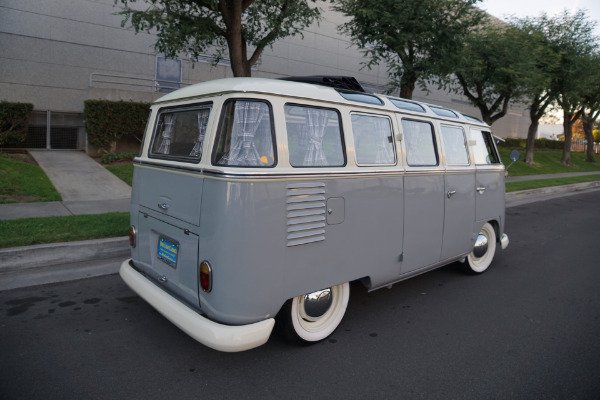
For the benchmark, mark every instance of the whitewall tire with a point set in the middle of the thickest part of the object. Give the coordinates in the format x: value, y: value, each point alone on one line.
x: 483, y: 251
x: 312, y: 317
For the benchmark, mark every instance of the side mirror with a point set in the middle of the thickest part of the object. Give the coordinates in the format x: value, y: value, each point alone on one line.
x: 514, y: 157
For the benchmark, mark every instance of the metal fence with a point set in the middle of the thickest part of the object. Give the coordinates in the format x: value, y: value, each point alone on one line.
x: 54, y: 130
x: 581, y: 145
x: 98, y: 79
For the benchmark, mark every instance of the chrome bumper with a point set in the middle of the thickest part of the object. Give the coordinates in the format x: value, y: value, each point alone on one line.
x: 209, y: 333
x: 504, y: 241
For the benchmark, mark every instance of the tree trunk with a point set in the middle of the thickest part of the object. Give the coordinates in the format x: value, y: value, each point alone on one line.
x: 232, y: 16
x: 407, y: 85
x: 568, y: 132
x: 589, y: 136
x: 531, y: 134
x: 535, y: 111
x: 486, y: 117
x: 237, y: 54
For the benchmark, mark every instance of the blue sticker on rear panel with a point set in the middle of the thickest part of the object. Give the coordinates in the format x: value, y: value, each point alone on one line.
x: 167, y: 251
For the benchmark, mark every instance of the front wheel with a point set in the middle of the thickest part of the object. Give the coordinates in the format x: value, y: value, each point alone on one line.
x: 483, y: 252
x: 313, y: 317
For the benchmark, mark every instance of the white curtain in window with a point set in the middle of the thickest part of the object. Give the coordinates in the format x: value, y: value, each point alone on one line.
x: 165, y: 144
x: 202, y: 122
x: 385, y: 154
x: 418, y: 139
x: 247, y: 118
x: 317, y: 124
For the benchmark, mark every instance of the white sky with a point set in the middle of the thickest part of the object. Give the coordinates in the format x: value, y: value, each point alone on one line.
x: 533, y: 8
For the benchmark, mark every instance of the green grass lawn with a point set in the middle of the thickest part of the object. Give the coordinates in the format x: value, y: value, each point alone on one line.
x: 28, y: 231
x: 548, y: 162
x: 539, y: 183
x: 123, y: 171
x: 21, y: 181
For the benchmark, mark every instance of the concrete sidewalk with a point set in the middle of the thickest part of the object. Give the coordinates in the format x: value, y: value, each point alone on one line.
x: 78, y: 177
x: 85, y: 186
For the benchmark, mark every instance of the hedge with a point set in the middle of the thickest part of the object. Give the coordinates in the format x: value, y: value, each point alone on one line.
x: 539, y: 144
x: 14, y: 122
x: 108, y: 121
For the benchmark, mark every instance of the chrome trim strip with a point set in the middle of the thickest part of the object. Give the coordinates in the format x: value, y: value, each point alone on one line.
x: 320, y: 174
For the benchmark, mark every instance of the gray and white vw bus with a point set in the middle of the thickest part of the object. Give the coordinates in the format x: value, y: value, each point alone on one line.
x: 257, y: 199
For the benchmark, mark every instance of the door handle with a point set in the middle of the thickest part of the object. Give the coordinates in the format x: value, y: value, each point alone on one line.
x: 450, y: 193
x: 481, y: 189
x: 163, y: 206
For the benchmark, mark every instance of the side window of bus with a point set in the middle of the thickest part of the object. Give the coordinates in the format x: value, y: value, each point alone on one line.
x: 373, y: 140
x: 314, y: 137
x: 455, y: 147
x: 179, y: 133
x: 483, y: 147
x: 245, y: 136
x: 419, y: 141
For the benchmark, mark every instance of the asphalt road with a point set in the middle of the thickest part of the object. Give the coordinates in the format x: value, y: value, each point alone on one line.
x: 529, y: 328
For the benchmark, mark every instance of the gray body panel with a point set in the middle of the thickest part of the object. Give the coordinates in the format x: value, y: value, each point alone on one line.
x: 424, y: 221
x: 390, y: 227
x: 257, y: 267
x: 459, y: 207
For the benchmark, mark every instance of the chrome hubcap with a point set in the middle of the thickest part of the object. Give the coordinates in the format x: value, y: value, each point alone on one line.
x: 481, y: 246
x: 315, y: 305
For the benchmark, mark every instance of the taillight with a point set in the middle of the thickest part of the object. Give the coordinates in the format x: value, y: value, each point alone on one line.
x: 205, y: 276
x: 132, y: 235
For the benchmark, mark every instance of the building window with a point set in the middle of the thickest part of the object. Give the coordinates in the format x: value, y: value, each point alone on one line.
x: 168, y: 74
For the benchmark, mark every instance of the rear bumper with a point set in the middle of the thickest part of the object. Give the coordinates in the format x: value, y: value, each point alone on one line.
x: 504, y: 241
x: 209, y: 333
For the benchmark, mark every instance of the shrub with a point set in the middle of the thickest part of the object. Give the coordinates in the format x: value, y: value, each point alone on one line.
x: 108, y: 121
x: 108, y: 158
x: 14, y: 122
x: 513, y: 143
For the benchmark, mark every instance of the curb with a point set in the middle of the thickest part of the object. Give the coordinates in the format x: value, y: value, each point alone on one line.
x: 46, y: 255
x: 522, y: 196
x: 61, y: 262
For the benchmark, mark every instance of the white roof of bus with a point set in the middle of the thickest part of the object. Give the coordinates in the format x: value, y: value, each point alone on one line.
x: 254, y: 85
x: 292, y: 89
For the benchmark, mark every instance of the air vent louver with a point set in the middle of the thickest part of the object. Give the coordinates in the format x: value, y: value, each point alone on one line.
x: 305, y: 213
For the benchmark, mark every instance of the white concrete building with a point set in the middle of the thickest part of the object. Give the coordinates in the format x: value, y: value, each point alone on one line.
x: 58, y: 53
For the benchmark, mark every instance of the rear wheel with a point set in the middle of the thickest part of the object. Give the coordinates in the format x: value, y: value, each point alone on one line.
x: 312, y: 317
x: 483, y: 252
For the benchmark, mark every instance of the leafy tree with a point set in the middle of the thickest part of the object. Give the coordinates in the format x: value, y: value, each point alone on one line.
x: 418, y: 39
x: 493, y: 70
x: 243, y: 27
x: 537, y: 87
x: 590, y: 110
x: 571, y: 37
